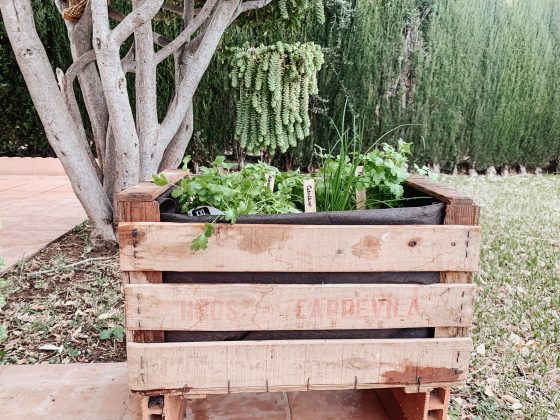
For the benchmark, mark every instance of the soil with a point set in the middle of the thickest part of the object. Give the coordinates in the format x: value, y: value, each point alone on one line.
x: 65, y: 304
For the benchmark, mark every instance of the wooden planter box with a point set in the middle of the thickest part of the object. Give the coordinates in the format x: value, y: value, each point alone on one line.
x: 149, y: 248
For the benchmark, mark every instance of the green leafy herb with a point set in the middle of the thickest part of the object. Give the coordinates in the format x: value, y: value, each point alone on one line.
x: 200, y: 243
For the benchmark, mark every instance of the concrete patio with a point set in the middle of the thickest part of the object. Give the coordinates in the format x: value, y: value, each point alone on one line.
x: 37, y: 205
x: 100, y: 391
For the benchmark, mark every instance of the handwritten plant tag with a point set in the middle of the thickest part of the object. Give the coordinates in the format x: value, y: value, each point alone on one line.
x: 205, y: 211
x: 270, y: 181
x: 309, y: 198
x: 360, y: 194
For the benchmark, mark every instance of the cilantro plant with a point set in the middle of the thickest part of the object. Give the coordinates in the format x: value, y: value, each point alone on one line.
x: 236, y: 193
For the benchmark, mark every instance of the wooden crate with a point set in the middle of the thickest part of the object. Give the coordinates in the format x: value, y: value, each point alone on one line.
x: 427, y: 367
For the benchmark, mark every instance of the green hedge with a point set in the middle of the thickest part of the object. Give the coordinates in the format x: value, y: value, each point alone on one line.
x: 475, y: 81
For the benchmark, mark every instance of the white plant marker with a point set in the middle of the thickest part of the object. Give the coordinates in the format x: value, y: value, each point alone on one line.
x: 309, y: 198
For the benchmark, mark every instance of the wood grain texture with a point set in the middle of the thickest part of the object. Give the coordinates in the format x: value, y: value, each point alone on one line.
x: 287, y: 248
x: 284, y: 365
x: 174, y: 407
x: 462, y: 214
x: 138, y: 211
x: 444, y: 193
x: 458, y: 214
x: 148, y: 191
x: 244, y: 307
x: 141, y: 211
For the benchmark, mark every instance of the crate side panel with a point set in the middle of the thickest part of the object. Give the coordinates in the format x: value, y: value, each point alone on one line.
x: 244, y: 307
x: 288, y: 248
x: 284, y: 365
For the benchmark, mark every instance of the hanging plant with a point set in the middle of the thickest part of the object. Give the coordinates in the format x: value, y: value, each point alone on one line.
x: 274, y: 85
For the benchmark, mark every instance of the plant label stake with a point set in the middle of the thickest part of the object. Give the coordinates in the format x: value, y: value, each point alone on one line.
x: 309, y: 198
x: 270, y: 181
x: 360, y: 194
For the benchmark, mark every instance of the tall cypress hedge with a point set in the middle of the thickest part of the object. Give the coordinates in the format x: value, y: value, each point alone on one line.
x: 475, y: 81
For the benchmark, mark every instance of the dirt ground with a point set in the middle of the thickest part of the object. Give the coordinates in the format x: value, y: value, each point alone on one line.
x: 64, y: 305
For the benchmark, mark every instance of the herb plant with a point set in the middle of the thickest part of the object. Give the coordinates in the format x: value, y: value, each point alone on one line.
x: 237, y: 193
x: 380, y: 173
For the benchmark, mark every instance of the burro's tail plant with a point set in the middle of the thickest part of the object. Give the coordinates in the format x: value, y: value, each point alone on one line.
x: 274, y: 85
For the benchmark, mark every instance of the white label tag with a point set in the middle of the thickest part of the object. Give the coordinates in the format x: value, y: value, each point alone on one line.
x: 309, y: 199
x: 205, y: 211
x: 270, y: 182
x: 360, y: 194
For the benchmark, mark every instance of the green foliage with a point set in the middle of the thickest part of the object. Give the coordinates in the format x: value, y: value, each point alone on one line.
x: 380, y: 173
x: 248, y: 191
x: 274, y: 84
x: 479, y: 78
x: 236, y: 193
x: 160, y: 180
x: 116, y: 332
x: 200, y: 243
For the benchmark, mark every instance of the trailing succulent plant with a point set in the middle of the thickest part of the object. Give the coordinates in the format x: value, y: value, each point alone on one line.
x: 315, y: 5
x: 274, y: 85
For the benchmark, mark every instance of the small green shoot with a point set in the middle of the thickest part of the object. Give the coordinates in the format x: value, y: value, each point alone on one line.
x: 160, y: 180
x: 186, y: 161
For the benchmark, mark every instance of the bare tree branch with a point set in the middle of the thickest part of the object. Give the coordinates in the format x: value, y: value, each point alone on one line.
x: 134, y: 20
x: 60, y: 6
x: 116, y: 95
x: 80, y: 37
x: 67, y: 89
x: 250, y: 5
x: 198, y: 64
x: 177, y: 10
x: 159, y: 39
x: 185, y: 35
x: 172, y: 9
x: 128, y: 62
x: 66, y: 83
x: 146, y: 105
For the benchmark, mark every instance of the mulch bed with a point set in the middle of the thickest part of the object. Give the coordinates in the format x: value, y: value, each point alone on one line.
x: 64, y: 305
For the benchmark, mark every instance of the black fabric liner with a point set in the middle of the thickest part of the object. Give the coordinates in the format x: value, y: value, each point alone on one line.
x: 194, y: 336
x: 423, y: 211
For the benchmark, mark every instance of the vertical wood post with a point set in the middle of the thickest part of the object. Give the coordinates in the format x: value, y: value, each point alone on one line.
x: 459, y: 210
x: 138, y: 204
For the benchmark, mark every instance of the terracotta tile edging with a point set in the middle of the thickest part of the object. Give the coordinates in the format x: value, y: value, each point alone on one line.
x: 31, y: 166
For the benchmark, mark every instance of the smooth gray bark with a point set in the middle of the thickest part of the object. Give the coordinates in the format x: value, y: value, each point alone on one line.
x: 59, y: 126
x: 129, y: 147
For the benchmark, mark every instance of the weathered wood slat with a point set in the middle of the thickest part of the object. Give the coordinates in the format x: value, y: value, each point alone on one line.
x: 221, y: 367
x: 444, y: 193
x: 148, y: 191
x: 244, y: 307
x: 287, y: 248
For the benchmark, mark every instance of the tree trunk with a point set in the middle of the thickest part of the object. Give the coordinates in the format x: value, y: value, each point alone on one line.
x: 58, y: 123
x: 128, y: 149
